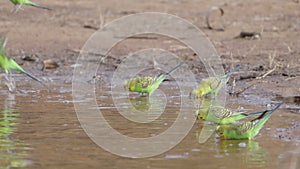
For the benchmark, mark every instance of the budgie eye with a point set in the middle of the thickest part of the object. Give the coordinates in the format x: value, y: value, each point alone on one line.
x: 202, y: 117
x: 220, y: 131
x: 203, y: 92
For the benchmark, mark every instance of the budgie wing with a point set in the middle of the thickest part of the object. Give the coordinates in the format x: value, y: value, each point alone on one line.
x: 243, y: 128
x: 220, y: 112
x: 215, y: 82
x: 14, y: 65
x: 147, y: 81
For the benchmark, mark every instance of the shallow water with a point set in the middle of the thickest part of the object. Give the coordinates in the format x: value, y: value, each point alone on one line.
x: 41, y: 130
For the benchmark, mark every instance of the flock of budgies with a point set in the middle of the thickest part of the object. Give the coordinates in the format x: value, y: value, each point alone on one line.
x: 7, y: 63
x: 229, y: 124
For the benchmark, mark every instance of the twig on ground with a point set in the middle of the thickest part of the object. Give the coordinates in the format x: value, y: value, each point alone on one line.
x: 238, y: 93
x: 266, y: 74
x: 271, y: 58
x: 207, y: 16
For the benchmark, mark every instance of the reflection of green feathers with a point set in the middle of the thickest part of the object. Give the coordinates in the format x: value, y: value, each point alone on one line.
x: 8, y: 64
x: 28, y: 2
x: 250, y: 152
x: 212, y: 84
x: 141, y: 104
x: 147, y: 84
x: 245, y: 130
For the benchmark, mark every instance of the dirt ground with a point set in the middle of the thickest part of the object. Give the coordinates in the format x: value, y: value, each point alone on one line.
x: 274, y: 56
x: 270, y: 62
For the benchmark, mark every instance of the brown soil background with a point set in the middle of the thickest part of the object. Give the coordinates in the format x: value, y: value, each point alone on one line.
x: 56, y: 34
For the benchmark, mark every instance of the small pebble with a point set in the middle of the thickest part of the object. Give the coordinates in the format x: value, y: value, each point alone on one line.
x: 242, y: 144
x: 49, y: 64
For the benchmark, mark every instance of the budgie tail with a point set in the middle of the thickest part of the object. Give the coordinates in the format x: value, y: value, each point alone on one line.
x: 232, y: 71
x: 38, y: 6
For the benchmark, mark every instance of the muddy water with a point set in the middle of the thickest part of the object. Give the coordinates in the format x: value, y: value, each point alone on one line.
x: 40, y: 130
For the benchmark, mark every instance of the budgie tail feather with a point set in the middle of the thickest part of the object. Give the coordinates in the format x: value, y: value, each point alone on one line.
x: 232, y: 71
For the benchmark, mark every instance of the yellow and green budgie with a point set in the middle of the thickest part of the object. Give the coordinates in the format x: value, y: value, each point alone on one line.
x: 8, y: 64
x: 28, y: 2
x: 147, y: 84
x: 222, y: 115
x: 212, y: 84
x: 245, y: 130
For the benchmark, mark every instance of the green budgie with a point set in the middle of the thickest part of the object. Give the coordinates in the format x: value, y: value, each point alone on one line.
x: 212, y: 84
x: 202, y: 111
x: 222, y: 115
x: 245, y: 130
x: 28, y: 2
x: 147, y: 84
x: 8, y: 64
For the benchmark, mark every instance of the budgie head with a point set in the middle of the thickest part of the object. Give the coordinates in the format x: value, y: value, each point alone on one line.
x: 221, y: 131
x: 195, y: 93
x: 130, y: 85
x: 201, y: 90
x: 202, y: 113
x: 127, y: 84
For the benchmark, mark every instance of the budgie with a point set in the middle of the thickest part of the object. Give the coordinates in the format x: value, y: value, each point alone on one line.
x: 245, y: 130
x: 212, y: 84
x: 28, y: 2
x: 8, y: 64
x: 203, y: 109
x: 147, y: 84
x: 222, y: 115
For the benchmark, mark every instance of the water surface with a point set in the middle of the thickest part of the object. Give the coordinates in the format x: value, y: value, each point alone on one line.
x: 40, y: 129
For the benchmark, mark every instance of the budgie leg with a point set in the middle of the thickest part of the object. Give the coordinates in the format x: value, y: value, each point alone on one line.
x: 16, y: 8
x: 1, y: 77
x: 10, y: 82
x: 13, y: 9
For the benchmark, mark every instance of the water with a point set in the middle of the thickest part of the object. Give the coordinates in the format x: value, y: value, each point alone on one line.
x: 12, y: 151
x: 41, y: 130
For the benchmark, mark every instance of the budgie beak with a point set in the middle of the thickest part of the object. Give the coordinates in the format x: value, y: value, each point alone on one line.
x: 194, y: 94
x: 126, y: 85
x: 220, y: 132
x: 201, y: 93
